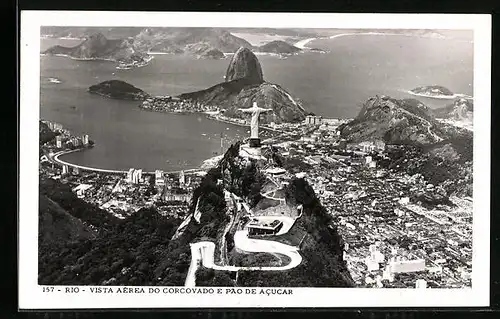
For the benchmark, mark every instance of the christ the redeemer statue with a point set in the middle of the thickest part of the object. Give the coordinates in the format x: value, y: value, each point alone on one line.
x: 254, y: 123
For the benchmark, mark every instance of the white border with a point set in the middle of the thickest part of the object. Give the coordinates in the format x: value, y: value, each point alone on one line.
x: 31, y: 295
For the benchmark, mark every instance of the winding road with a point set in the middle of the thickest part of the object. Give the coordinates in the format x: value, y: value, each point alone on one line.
x: 202, y: 253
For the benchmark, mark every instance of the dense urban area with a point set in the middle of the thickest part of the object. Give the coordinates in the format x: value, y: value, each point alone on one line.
x: 400, y: 227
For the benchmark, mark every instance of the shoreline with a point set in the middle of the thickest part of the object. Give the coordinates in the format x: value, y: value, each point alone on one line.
x: 55, y: 158
x: 441, y: 97
x: 302, y: 44
x: 98, y: 59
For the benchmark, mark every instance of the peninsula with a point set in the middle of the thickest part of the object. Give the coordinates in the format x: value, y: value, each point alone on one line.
x: 98, y: 47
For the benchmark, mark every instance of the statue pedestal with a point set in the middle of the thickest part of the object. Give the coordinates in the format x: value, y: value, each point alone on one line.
x: 249, y: 151
x: 254, y: 142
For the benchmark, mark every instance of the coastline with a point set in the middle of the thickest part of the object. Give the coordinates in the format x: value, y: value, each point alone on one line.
x: 302, y: 44
x: 55, y: 158
x: 440, y: 97
x: 99, y: 59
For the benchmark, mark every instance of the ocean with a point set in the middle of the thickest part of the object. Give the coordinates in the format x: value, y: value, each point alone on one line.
x: 334, y: 84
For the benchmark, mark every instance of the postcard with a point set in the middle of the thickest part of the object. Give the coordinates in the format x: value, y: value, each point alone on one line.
x: 206, y: 160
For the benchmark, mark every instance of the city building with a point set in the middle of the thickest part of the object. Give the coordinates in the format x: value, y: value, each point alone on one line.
x: 134, y: 176
x: 182, y: 179
x: 58, y: 141
x: 405, y: 266
x: 371, y: 264
x: 159, y: 179
x: 65, y: 169
x: 257, y: 227
x: 170, y: 197
x: 137, y: 176
x: 130, y: 175
x: 81, y: 189
x: 85, y: 139
x: 404, y: 201
x: 313, y: 120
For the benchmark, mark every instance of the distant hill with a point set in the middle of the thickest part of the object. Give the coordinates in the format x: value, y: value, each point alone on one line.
x: 117, y: 89
x: 204, y: 50
x: 244, y: 85
x: 279, y: 47
x: 181, y: 40
x: 83, y: 32
x: 396, y: 122
x: 98, y: 47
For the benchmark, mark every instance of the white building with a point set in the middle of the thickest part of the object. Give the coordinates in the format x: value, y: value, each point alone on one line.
x: 65, y: 169
x: 371, y: 264
x: 159, y: 179
x: 313, y: 120
x: 404, y: 201
x: 404, y: 266
x: 130, y: 175
x: 85, y: 139
x: 137, y: 177
x: 134, y: 176
x: 58, y: 141
x: 182, y: 179
x: 81, y: 189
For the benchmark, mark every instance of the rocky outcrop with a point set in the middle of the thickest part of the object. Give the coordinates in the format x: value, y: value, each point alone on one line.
x: 204, y: 50
x: 280, y: 47
x: 395, y: 122
x: 117, y: 89
x: 244, y: 65
x: 461, y: 109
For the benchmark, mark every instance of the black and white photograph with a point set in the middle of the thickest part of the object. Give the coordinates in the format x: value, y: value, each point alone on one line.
x: 190, y: 159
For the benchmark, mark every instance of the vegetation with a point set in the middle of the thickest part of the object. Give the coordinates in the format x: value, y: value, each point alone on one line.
x: 45, y: 133
x: 447, y: 164
x: 214, y: 278
x: 117, y: 89
x: 121, y: 252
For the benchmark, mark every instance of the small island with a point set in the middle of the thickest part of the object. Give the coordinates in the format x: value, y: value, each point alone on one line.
x: 279, y: 47
x: 117, y: 89
x: 433, y: 91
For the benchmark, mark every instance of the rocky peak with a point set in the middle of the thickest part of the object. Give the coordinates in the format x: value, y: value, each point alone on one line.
x: 244, y: 64
x: 96, y: 39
